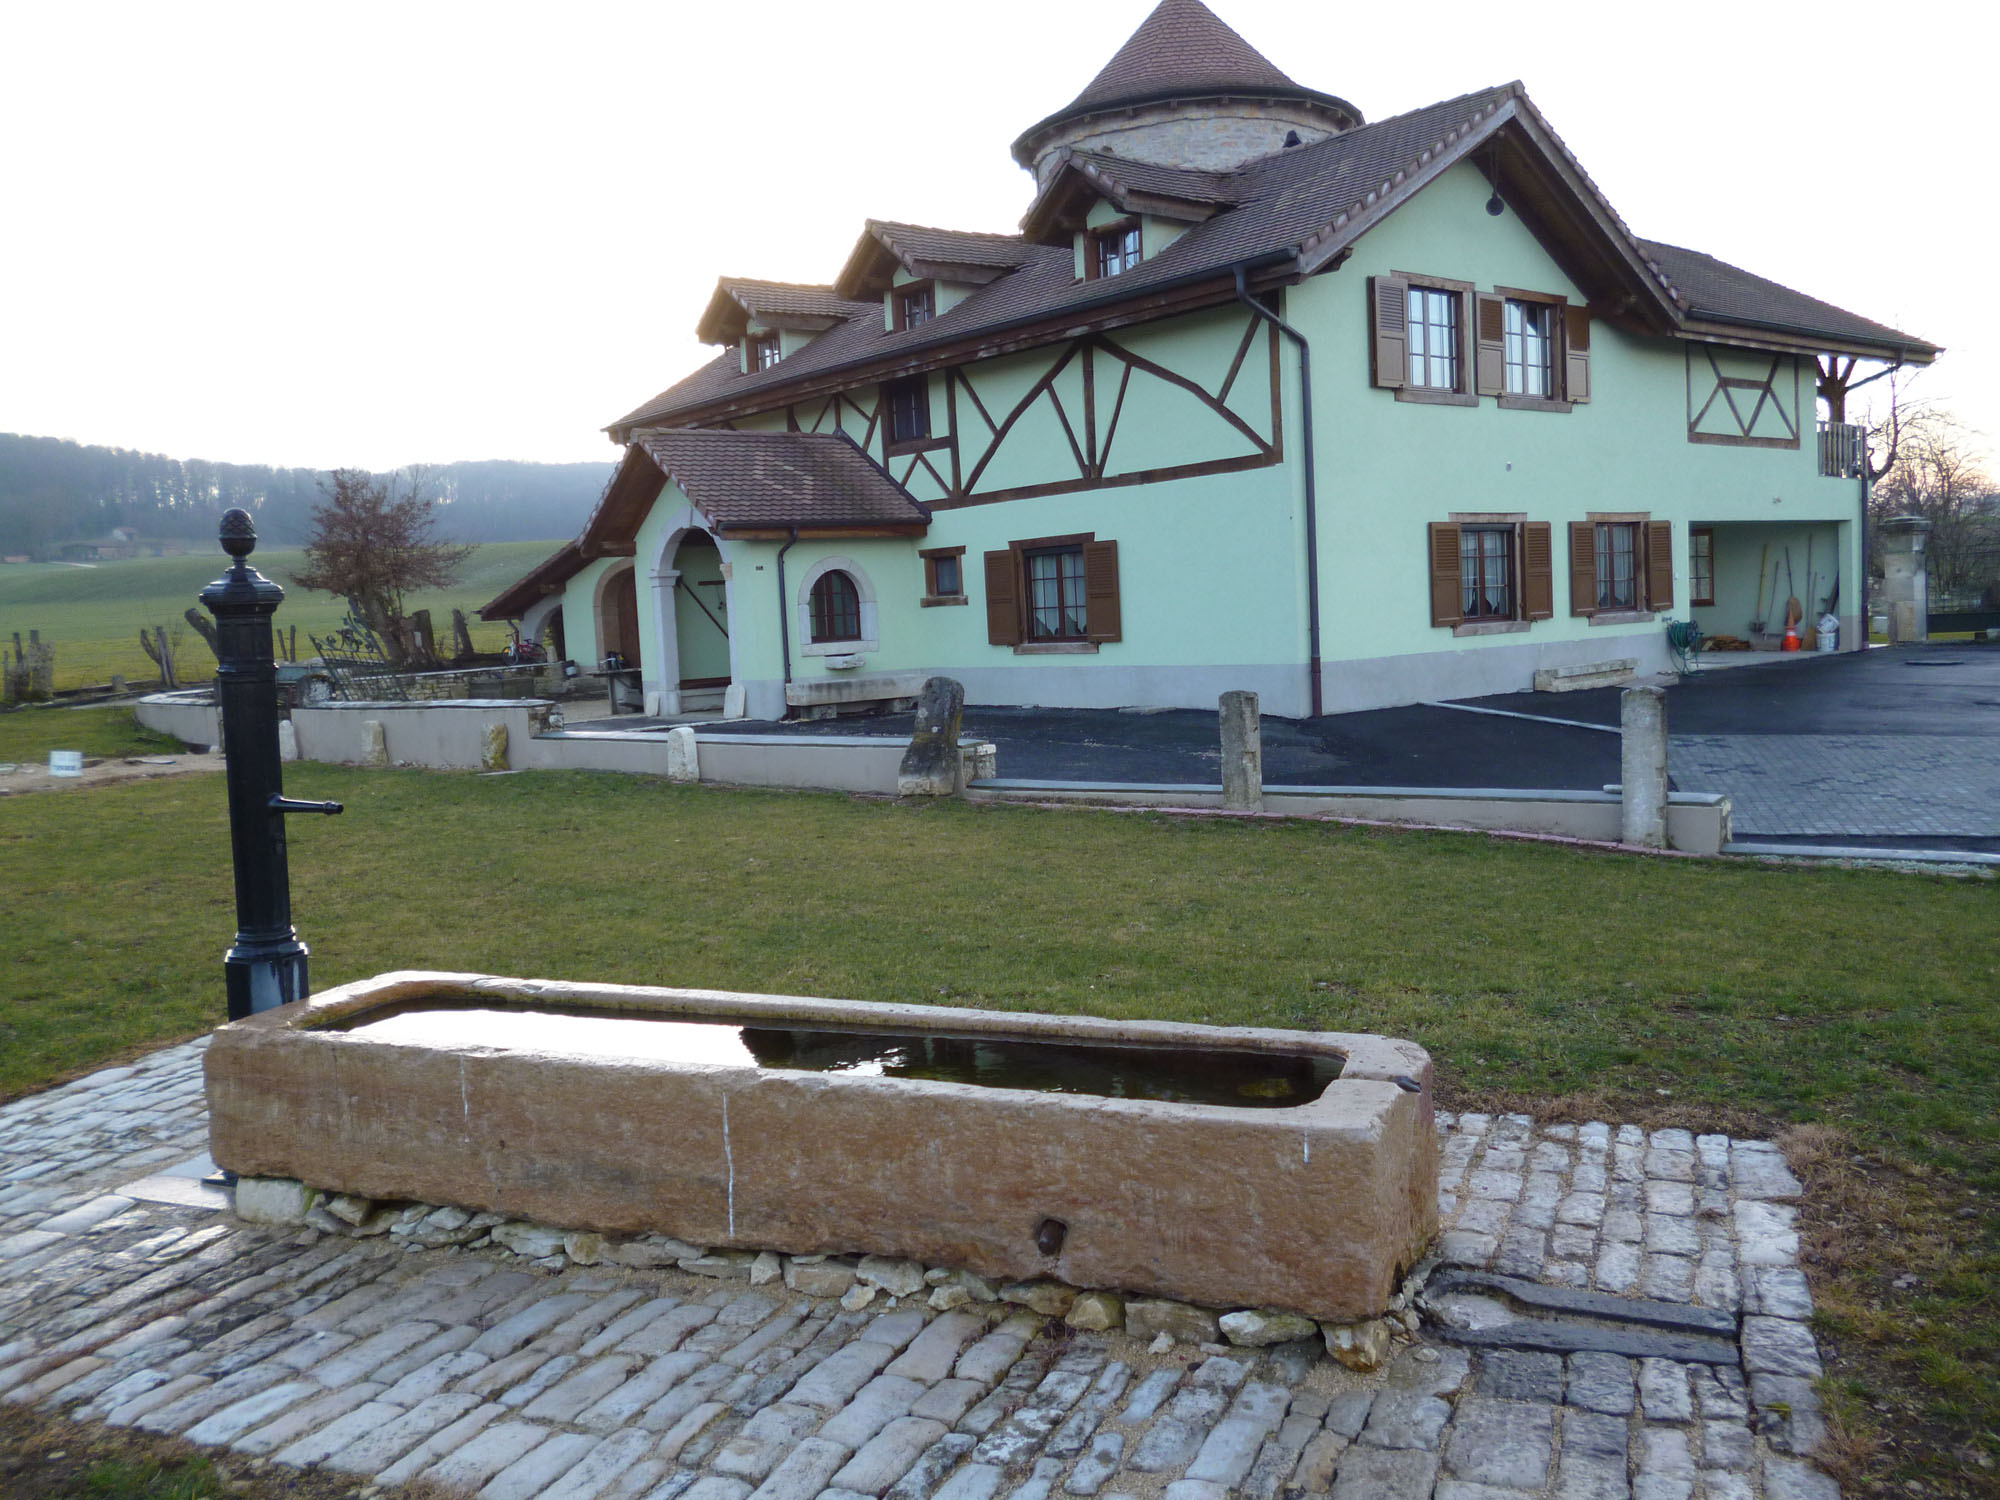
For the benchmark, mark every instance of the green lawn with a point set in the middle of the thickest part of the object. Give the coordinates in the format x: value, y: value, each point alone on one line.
x: 30, y: 732
x: 1697, y: 991
x: 94, y: 614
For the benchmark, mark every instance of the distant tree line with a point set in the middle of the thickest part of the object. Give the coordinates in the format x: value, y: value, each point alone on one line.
x: 54, y: 491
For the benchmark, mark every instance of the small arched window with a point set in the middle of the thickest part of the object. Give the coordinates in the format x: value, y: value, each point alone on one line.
x: 836, y: 608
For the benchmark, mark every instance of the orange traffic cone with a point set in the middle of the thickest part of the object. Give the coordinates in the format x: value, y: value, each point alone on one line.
x: 1791, y: 642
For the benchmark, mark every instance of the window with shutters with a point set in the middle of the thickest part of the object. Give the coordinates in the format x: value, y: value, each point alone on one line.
x: 1530, y: 344
x: 1621, y: 567
x: 1531, y: 350
x: 1490, y: 573
x: 1420, y: 344
x: 1486, y: 572
x: 1433, y: 324
x: 761, y: 351
x: 1617, y: 565
x: 1054, y: 594
x: 1057, y: 610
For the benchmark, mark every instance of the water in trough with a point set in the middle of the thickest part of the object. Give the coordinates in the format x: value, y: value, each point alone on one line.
x: 1186, y: 1075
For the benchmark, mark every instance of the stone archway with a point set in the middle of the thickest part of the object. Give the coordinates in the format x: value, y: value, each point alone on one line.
x: 694, y: 592
x: 618, y: 615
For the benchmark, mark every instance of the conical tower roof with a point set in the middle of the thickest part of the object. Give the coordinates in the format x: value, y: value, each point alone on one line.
x: 1183, y: 47
x: 1183, y: 51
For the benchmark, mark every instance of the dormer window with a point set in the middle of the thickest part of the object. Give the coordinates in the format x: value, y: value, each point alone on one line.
x: 914, y: 305
x: 761, y: 351
x: 1112, y: 250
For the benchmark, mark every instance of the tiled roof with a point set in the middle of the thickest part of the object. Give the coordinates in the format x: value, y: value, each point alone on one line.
x: 956, y: 246
x: 1282, y: 199
x: 787, y: 297
x: 1715, y: 289
x: 1191, y: 183
x: 759, y: 479
x: 1183, y: 47
x: 1307, y: 202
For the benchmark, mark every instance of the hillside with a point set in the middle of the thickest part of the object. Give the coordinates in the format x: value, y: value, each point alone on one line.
x: 93, y: 612
x: 53, y: 492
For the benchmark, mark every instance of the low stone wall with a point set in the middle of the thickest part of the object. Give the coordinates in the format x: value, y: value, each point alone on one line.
x: 190, y: 715
x: 1319, y: 1209
x: 452, y: 736
x: 1697, y: 822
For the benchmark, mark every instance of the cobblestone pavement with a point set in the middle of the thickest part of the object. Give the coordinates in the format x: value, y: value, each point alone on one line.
x: 1860, y: 785
x: 129, y: 1302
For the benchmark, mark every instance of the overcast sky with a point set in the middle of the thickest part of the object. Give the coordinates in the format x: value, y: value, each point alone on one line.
x: 374, y: 234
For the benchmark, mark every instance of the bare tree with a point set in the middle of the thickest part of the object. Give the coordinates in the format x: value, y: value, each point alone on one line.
x: 374, y: 540
x: 1935, y: 469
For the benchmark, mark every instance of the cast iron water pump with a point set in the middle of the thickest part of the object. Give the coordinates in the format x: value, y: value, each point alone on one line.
x: 266, y: 967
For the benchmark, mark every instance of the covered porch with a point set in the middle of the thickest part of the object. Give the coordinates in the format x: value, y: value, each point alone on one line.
x: 1743, y: 577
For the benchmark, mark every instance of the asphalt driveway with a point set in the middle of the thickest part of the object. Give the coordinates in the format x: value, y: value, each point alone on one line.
x: 1896, y: 747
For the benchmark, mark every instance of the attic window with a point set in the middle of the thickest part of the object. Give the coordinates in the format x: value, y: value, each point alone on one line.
x: 761, y: 351
x: 1112, y: 250
x: 913, y: 305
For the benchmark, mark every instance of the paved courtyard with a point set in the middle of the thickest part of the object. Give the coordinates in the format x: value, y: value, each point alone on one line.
x: 128, y: 1294
x: 1900, y: 746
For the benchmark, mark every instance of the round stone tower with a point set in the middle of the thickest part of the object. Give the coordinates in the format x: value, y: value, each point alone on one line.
x: 1186, y: 91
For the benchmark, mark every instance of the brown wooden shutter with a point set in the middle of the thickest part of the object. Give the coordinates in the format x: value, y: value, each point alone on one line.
x: 1659, y: 565
x: 1389, y: 327
x: 1582, y: 568
x: 1003, y: 602
x: 1576, y: 353
x: 1538, y: 570
x: 1447, y: 578
x: 1103, y: 618
x: 1490, y: 361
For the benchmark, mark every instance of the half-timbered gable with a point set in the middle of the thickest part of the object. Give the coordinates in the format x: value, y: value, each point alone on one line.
x: 1262, y: 394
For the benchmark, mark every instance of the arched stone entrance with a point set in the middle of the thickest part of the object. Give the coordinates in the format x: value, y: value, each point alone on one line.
x: 618, y: 616
x: 693, y: 590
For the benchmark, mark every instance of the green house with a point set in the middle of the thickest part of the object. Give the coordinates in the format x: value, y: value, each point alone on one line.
x: 1263, y: 395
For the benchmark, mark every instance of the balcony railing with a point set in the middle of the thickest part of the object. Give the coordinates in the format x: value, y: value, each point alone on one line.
x: 1843, y: 449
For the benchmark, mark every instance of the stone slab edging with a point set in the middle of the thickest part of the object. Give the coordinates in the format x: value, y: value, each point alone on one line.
x: 1697, y: 822
x: 749, y: 1158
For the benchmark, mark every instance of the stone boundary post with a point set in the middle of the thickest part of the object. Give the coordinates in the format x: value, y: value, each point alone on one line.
x: 1642, y: 756
x: 1242, y: 753
x: 930, y: 766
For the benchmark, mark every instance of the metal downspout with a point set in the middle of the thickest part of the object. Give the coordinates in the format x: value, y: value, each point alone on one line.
x: 1312, y: 489
x: 784, y: 614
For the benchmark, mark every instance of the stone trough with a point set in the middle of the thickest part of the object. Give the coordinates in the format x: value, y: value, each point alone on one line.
x: 549, y: 1102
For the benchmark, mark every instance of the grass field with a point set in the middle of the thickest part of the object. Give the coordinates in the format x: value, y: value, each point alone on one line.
x: 1856, y: 1004
x: 94, y: 614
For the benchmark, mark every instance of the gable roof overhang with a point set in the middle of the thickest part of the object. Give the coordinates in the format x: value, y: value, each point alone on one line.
x: 775, y: 304
x: 545, y: 578
x: 967, y: 259
x: 751, y: 485
x: 1545, y: 186
x: 1084, y: 178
